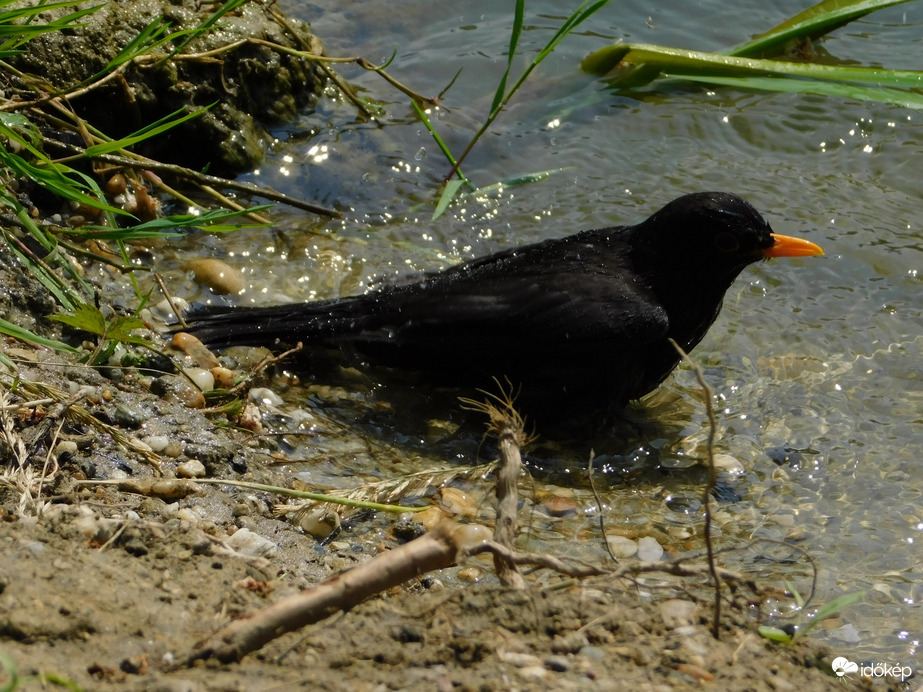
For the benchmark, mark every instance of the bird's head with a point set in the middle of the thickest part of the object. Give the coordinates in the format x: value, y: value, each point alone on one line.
x: 716, y: 233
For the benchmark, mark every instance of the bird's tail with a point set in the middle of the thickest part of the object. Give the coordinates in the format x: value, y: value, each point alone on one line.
x: 249, y: 326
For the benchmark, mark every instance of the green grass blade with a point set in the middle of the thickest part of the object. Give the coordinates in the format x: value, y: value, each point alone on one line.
x: 10, y: 669
x: 17, y: 332
x: 170, y: 226
x: 896, y: 97
x: 443, y: 147
x: 811, y: 24
x: 165, y: 123
x: 515, y: 33
x: 449, y: 191
x: 830, y: 609
x: 524, y: 179
x: 677, y: 61
x: 814, y: 22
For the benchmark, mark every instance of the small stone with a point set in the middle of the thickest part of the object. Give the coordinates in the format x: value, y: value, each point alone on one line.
x: 622, y: 547
x: 173, y: 388
x: 191, y: 469
x: 559, y: 664
x: 220, y: 277
x: 173, y: 449
x: 127, y: 417
x: 320, y: 523
x: 470, y: 574
x: 649, y: 550
x: 157, y: 443
x: 64, y: 449
x: 202, y: 378
x: 248, y: 543
x: 458, y: 502
x: 558, y: 506
x: 265, y: 396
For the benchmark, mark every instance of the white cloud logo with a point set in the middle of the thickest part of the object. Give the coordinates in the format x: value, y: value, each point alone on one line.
x: 842, y: 666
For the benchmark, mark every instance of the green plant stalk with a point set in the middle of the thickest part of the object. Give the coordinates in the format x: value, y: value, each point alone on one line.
x: 581, y: 14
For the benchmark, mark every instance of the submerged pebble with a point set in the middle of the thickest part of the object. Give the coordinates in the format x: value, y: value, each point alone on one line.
x: 649, y: 550
x: 221, y: 278
x: 622, y: 547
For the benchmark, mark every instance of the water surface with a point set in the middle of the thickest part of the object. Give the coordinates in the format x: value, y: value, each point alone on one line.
x: 816, y: 362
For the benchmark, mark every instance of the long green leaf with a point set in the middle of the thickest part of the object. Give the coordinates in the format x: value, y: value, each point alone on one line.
x: 814, y: 22
x: 17, y: 332
x: 677, y: 61
x: 811, y: 24
x: 165, y: 123
x: 896, y: 97
x: 518, y: 16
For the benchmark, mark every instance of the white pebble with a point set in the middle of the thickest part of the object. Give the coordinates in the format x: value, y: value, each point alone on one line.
x: 649, y: 550
x: 191, y: 469
x: 157, y: 443
x: 249, y: 543
x: 264, y: 395
x: 621, y: 546
x: 202, y: 378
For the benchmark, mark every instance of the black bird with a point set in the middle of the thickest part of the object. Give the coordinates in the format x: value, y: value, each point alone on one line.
x: 581, y: 320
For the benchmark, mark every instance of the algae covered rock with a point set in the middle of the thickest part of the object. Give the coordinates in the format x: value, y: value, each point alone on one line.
x: 251, y: 85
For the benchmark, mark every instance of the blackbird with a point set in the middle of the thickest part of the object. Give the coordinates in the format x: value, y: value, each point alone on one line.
x: 581, y: 320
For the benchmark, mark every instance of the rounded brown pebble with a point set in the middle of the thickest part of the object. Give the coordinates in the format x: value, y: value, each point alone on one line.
x: 220, y: 277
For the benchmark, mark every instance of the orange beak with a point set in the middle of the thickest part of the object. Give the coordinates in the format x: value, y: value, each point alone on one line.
x: 787, y: 246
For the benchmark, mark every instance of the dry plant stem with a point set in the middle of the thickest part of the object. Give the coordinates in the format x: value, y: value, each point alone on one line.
x: 435, y: 550
x: 599, y: 506
x: 710, y: 485
x: 508, y: 502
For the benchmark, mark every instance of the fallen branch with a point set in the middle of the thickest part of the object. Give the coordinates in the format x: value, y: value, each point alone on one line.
x: 437, y: 549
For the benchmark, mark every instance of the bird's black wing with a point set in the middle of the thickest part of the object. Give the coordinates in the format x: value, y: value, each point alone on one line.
x: 571, y: 291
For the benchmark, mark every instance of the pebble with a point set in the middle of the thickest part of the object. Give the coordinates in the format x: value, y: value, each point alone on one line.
x: 320, y: 523
x: 173, y: 388
x: 128, y: 417
x: 458, y: 502
x: 265, y: 396
x: 202, y: 378
x: 728, y: 464
x: 594, y: 653
x: 248, y: 543
x: 65, y: 447
x: 221, y: 278
x: 191, y: 469
x: 431, y: 516
x: 558, y: 506
x: 157, y: 443
x: 520, y: 660
x: 195, y: 349
x: 649, y: 550
x: 173, y: 449
x: 559, y: 664
x: 469, y: 535
x: 622, y: 547
x: 470, y: 574
x: 224, y: 377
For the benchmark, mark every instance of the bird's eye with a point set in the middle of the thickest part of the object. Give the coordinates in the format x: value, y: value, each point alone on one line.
x: 727, y: 242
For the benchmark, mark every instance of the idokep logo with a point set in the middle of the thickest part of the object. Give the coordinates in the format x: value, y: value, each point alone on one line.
x: 843, y: 667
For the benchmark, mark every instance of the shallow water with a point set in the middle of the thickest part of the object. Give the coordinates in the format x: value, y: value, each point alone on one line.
x: 816, y: 362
